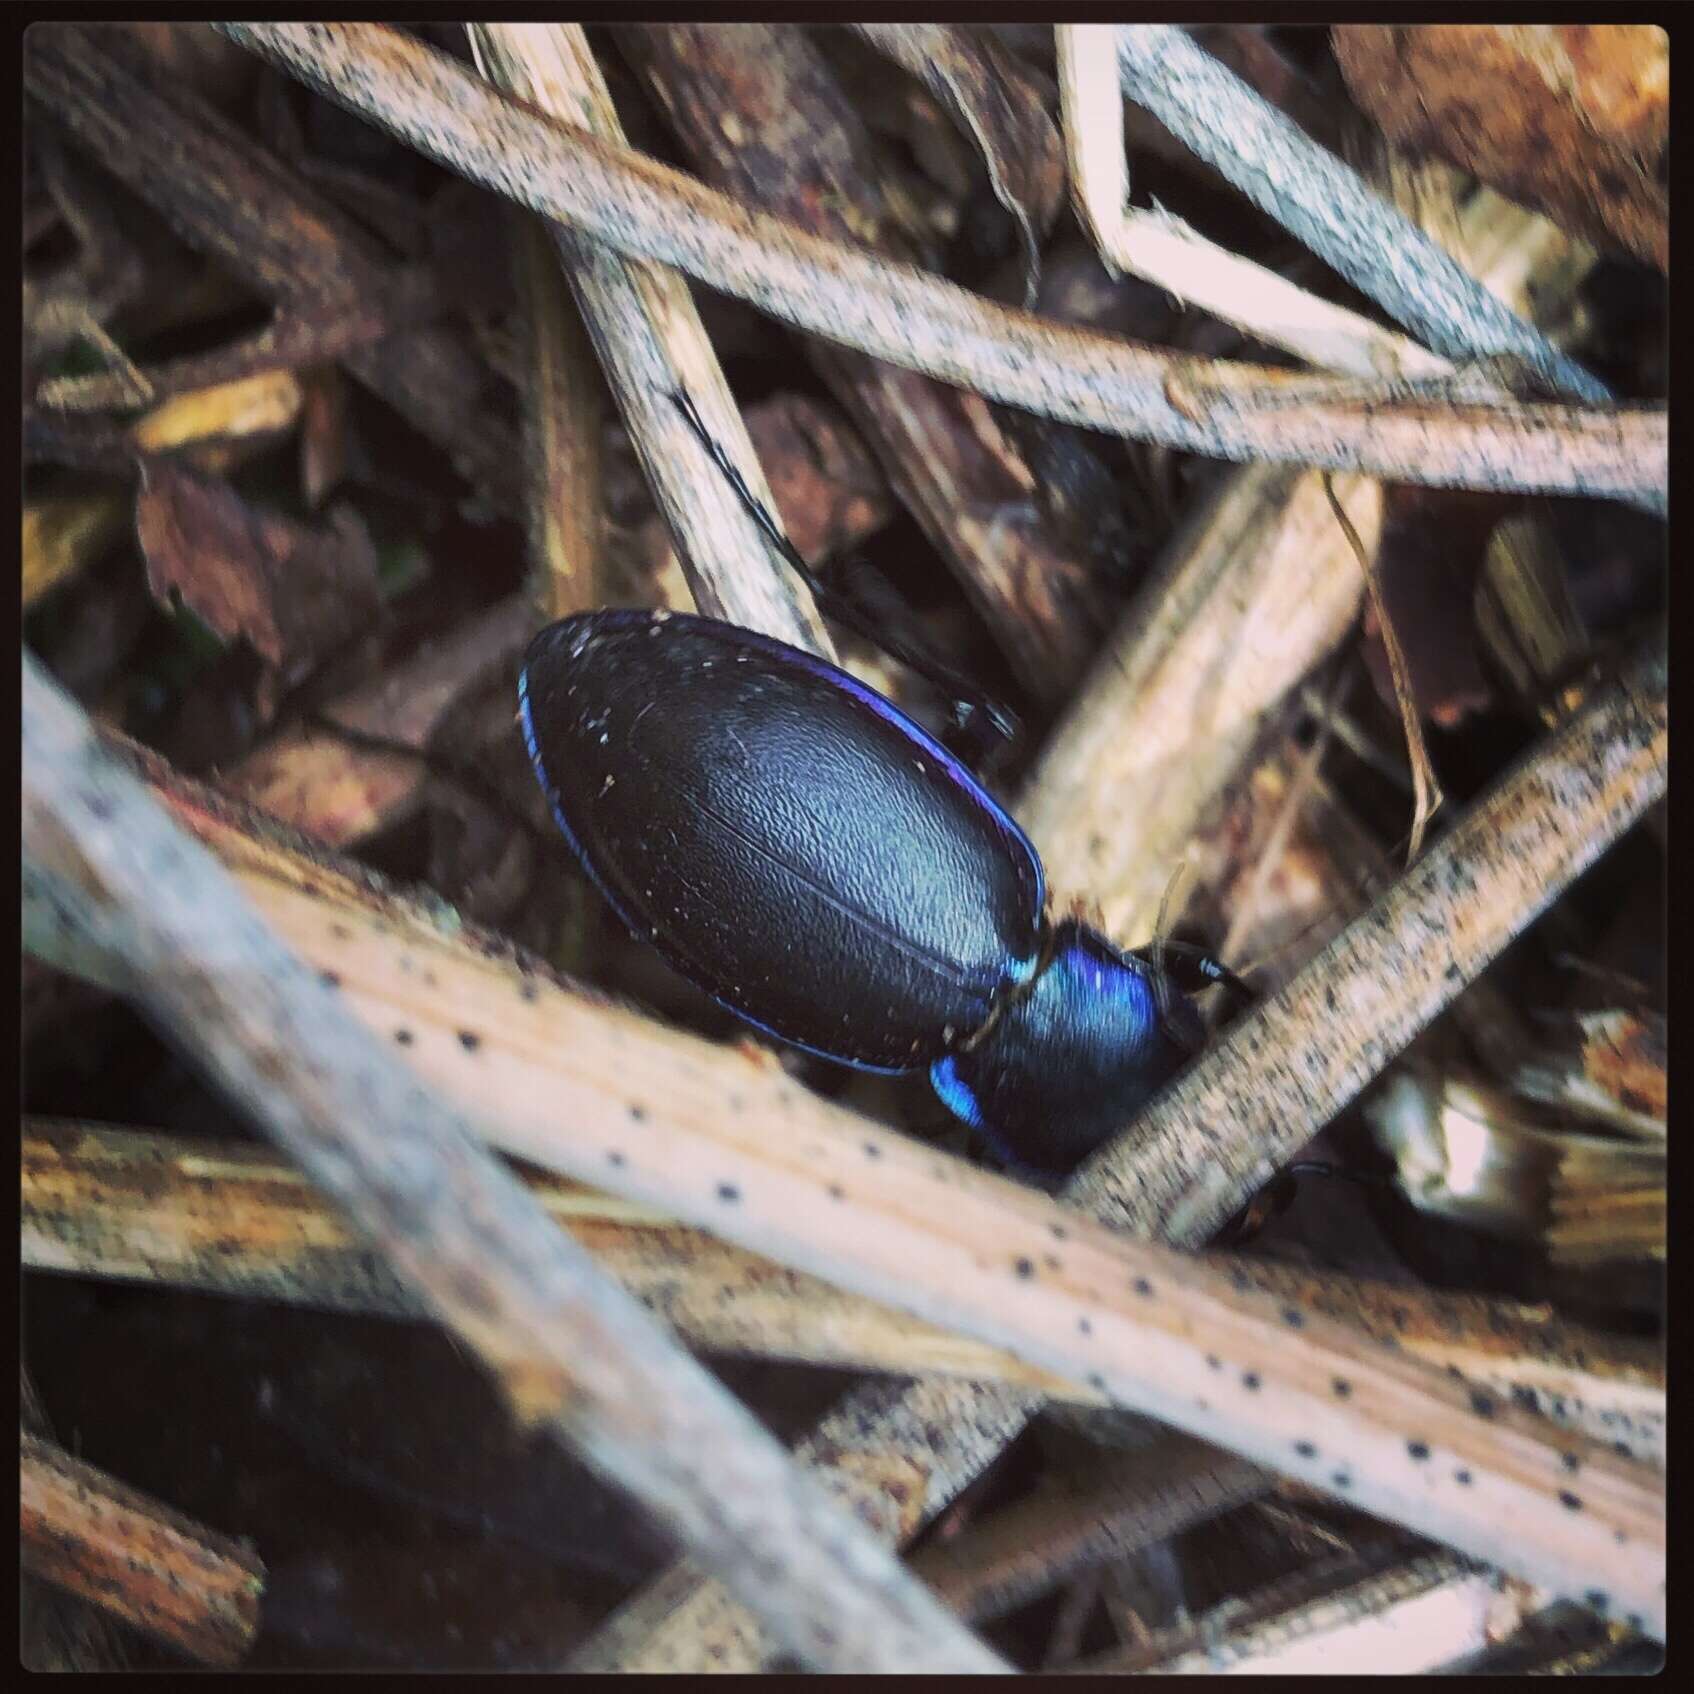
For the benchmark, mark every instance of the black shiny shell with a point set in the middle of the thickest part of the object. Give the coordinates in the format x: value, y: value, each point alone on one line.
x: 783, y: 835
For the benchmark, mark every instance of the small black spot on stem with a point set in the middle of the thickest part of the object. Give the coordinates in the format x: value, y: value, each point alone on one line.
x: 1143, y: 1287
x: 872, y: 1151
x: 1571, y: 1502
x: 1570, y: 1461
x: 1482, y: 1404
x: 1293, y: 1317
x: 1419, y: 1450
x: 329, y: 979
x: 1084, y: 1327
x: 1250, y: 1381
x: 469, y: 1040
x: 404, y: 1037
x: 615, y: 1158
x: 1305, y: 1449
x: 837, y: 1192
x: 638, y: 1114
x: 1341, y: 1388
x: 1462, y: 1477
x: 1024, y: 1267
x: 728, y: 1192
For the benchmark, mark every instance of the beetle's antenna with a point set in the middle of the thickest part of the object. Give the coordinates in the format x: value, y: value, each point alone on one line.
x: 968, y: 697
x: 1162, y: 925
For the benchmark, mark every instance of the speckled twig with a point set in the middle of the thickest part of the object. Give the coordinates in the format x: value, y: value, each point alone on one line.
x: 569, y: 1348
x: 910, y: 318
x: 134, y: 1557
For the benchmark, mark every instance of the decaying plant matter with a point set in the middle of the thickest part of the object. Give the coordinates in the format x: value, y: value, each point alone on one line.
x: 1245, y: 409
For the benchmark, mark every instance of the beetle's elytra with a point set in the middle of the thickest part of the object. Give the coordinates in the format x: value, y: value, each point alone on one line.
x: 794, y: 844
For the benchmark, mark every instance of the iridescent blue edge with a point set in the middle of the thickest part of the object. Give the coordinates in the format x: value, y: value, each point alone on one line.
x: 954, y: 1093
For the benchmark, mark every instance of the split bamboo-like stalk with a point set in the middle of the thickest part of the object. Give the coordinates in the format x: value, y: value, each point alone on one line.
x: 1317, y: 198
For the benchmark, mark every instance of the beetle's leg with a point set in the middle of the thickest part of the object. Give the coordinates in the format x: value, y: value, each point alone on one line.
x: 1193, y: 968
x: 975, y: 710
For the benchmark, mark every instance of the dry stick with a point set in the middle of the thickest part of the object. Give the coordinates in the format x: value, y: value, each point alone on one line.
x: 563, y: 418
x: 1244, y: 1107
x: 683, y: 1127
x: 652, y: 345
x: 290, y: 341
x: 1426, y: 791
x: 1128, y: 1504
x: 108, y: 1202
x: 1204, y: 1144
x: 1165, y: 251
x: 645, y: 209
x: 568, y: 1347
x: 168, y: 1576
x: 1325, y: 205
x: 961, y: 477
x: 230, y: 198
x: 1387, y: 1612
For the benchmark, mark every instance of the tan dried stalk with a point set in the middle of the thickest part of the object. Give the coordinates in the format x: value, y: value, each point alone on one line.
x: 652, y: 345
x: 1164, y: 250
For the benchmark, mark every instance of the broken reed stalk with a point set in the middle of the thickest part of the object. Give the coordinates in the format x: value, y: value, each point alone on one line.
x: 1163, y: 250
x: 120, y: 1549
x: 652, y: 345
x: 126, y: 1205
x: 903, y: 315
x: 1256, y: 588
x: 568, y: 1347
x: 1556, y: 813
x: 680, y: 1125
x: 1324, y: 204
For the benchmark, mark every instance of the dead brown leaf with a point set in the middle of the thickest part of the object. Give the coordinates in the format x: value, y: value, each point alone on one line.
x: 1571, y: 119
x: 997, y: 102
x: 294, y: 592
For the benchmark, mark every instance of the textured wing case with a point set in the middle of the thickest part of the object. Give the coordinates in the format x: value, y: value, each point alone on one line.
x: 782, y: 834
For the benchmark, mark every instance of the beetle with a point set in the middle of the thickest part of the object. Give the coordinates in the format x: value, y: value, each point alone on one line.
x: 795, y: 845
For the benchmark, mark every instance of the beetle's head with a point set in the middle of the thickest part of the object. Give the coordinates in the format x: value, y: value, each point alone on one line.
x: 1074, y: 1057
